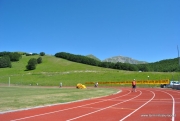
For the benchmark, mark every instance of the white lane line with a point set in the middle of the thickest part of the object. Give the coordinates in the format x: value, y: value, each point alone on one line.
x: 69, y: 108
x: 167, y: 90
x: 173, y: 106
x: 139, y: 107
x: 173, y: 91
x: 112, y: 108
x: 177, y: 91
x: 103, y: 108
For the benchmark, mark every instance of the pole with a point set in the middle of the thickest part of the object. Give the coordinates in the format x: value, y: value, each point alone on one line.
x: 179, y: 59
x: 178, y: 54
x: 9, y: 82
x: 148, y: 80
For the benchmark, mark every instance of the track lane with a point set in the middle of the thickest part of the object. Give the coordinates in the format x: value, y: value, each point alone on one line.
x: 176, y: 95
x: 160, y: 108
x: 105, y: 107
x: 110, y: 108
x: 116, y: 111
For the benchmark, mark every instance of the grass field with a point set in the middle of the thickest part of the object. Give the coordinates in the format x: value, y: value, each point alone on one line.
x: 54, y: 70
x: 13, y: 98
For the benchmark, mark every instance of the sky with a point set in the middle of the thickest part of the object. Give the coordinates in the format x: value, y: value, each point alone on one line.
x: 145, y: 30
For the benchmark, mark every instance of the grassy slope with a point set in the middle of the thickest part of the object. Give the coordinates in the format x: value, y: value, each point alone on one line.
x: 55, y: 70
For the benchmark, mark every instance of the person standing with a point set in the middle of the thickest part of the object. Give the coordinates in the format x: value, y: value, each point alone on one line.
x: 96, y: 84
x: 60, y: 84
x: 134, y: 85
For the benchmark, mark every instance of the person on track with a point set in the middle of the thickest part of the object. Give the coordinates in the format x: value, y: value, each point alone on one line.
x: 96, y: 84
x: 134, y: 85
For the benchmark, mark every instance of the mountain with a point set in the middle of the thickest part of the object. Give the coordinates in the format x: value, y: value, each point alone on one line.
x: 116, y: 59
x: 123, y: 59
x: 93, y: 57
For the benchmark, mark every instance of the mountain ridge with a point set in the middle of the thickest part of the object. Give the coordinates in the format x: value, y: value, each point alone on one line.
x: 122, y: 59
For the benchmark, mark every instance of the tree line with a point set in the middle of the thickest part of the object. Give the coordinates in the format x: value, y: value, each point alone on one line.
x: 169, y: 65
x: 7, y: 57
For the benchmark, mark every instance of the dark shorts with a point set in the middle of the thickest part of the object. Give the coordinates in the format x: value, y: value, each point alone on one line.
x: 133, y: 86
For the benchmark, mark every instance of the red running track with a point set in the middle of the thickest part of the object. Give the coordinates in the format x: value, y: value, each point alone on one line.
x: 146, y: 104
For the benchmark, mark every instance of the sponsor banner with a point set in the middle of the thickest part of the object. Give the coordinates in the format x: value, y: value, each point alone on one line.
x: 164, y: 81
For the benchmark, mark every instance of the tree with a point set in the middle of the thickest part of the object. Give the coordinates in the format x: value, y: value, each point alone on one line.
x: 28, y: 54
x: 133, y: 67
x: 14, y: 56
x: 143, y: 67
x: 5, y: 62
x: 34, y: 54
x: 31, y: 64
x: 42, y: 53
x: 39, y: 60
x: 4, y: 53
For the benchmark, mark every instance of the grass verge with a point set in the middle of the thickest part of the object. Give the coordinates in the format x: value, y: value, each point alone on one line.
x: 13, y: 98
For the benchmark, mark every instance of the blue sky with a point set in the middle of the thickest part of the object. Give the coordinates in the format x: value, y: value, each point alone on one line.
x: 145, y: 30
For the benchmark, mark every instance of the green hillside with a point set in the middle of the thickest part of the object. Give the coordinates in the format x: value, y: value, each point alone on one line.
x: 54, y: 70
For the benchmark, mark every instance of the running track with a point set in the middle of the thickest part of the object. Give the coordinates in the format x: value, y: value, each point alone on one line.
x: 146, y: 104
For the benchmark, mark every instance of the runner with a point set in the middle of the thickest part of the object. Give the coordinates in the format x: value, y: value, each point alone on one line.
x: 134, y: 85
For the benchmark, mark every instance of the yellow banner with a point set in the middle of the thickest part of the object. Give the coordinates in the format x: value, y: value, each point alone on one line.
x: 164, y: 81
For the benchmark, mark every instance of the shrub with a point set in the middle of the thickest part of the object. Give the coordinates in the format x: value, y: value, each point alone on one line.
x: 31, y: 64
x: 39, y: 60
x: 42, y: 53
x: 14, y: 56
